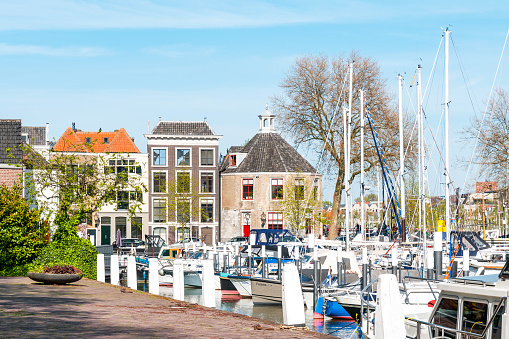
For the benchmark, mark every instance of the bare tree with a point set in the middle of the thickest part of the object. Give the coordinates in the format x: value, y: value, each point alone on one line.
x: 493, y: 139
x: 314, y: 89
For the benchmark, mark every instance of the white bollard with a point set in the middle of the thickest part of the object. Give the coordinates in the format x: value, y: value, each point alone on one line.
x: 279, y: 252
x: 263, y: 251
x: 394, y: 256
x: 178, y: 279
x: 340, y: 254
x: 114, y: 270
x: 466, y: 262
x: 364, y: 256
x: 390, y: 320
x: 430, y: 259
x: 132, y: 281
x: 101, y: 275
x: 252, y: 239
x: 208, y: 290
x: 153, y: 276
x: 293, y: 302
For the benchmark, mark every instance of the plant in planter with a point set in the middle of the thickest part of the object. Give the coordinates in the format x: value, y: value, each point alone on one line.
x: 57, y: 274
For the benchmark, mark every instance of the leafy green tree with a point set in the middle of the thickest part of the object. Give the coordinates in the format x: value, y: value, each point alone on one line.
x: 22, y: 234
x: 301, y: 204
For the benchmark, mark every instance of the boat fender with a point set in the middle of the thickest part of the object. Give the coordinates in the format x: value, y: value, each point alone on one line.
x: 432, y: 303
x: 161, y: 272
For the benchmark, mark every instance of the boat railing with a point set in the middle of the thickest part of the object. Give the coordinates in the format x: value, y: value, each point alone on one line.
x: 407, y: 299
x: 440, y: 329
x: 365, y: 304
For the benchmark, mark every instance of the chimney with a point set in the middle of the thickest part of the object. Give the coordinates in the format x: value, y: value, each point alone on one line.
x: 159, y: 118
x: 205, y: 119
x: 47, y: 134
x: 74, y: 126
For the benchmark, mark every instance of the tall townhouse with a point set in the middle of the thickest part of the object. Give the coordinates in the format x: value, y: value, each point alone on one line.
x: 183, y: 151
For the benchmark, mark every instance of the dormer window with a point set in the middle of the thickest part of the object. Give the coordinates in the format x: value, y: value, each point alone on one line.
x: 106, y: 140
x: 88, y: 140
x: 233, y: 160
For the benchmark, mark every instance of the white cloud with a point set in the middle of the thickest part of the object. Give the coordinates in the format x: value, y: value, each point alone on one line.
x: 179, y: 50
x: 6, y: 49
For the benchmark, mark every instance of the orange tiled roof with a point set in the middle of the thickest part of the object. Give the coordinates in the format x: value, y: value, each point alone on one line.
x: 118, y: 142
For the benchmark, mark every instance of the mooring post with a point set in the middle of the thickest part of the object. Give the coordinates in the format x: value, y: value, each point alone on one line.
x: 264, y: 272
x: 101, y: 274
x: 208, y: 286
x: 249, y: 258
x: 114, y: 271
x: 293, y: 302
x: 466, y: 261
x: 364, y: 267
x: 340, y: 265
x: 178, y: 279
x: 437, y: 246
x: 153, y: 276
x: 430, y: 263
x: 315, y: 278
x: 132, y: 281
x: 279, y: 254
x: 394, y: 260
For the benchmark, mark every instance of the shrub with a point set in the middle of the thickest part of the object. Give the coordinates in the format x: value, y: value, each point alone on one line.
x: 72, y: 251
x: 22, y: 234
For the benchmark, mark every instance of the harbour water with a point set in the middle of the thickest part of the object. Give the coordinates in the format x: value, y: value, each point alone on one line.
x: 337, y: 328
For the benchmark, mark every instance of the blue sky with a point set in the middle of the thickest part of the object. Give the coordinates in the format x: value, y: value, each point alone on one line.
x: 112, y: 64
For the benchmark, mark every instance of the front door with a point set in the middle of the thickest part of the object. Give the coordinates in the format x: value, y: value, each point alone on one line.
x: 105, y: 235
x: 246, y: 223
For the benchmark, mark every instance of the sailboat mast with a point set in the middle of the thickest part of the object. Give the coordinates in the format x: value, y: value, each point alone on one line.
x: 422, y: 176
x: 420, y: 148
x: 363, y: 215
x: 446, y: 114
x: 401, y: 157
x: 347, y: 184
x: 349, y: 148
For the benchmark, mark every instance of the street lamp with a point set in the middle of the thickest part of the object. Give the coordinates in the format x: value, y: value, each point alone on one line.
x: 263, y: 219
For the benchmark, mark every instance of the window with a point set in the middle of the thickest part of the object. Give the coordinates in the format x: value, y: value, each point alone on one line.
x: 120, y: 224
x: 446, y: 315
x: 183, y: 182
x: 136, y: 196
x: 183, y: 211
x: 106, y: 140
x: 106, y: 221
x: 207, y: 182
x: 159, y: 182
x: 183, y: 157
x: 277, y: 189
x: 299, y: 189
x: 159, y: 209
x: 207, y: 210
x: 475, y: 315
x: 207, y: 157
x: 160, y: 231
x: 136, y: 227
x: 315, y: 190
x: 233, y: 160
x: 497, y: 322
x: 159, y: 157
x: 247, y: 189
x: 88, y: 140
x: 122, y: 167
x: 25, y: 138
x: 275, y: 220
x: 123, y: 200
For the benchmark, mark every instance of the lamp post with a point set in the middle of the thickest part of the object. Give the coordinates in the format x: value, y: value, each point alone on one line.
x: 263, y: 218
x: 247, y: 230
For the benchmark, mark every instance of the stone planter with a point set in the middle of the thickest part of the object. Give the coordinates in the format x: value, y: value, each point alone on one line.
x: 58, y: 279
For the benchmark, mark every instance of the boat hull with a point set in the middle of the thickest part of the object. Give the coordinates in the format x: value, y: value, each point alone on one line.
x: 243, y: 285
x: 266, y: 291
x: 227, y: 286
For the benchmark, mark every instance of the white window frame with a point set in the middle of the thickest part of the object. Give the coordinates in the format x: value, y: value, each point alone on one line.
x: 177, y: 171
x: 242, y: 188
x: 165, y: 207
x: 190, y: 156
x: 152, y: 157
x: 213, y: 156
x: 213, y: 209
x: 152, y: 180
x: 213, y: 183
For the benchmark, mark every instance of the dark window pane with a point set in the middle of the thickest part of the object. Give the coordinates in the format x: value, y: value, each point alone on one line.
x: 159, y: 157
x: 207, y: 180
x: 207, y: 157
x: 447, y: 315
x: 183, y: 157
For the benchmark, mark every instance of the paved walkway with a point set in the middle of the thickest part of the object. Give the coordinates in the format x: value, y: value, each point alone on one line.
x: 89, y: 308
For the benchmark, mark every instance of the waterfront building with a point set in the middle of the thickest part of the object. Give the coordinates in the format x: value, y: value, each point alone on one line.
x: 254, y: 178
x: 183, y: 154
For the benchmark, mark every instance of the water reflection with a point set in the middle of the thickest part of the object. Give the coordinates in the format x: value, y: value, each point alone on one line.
x: 337, y: 328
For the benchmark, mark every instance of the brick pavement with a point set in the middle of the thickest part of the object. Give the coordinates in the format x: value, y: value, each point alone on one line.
x: 89, y: 308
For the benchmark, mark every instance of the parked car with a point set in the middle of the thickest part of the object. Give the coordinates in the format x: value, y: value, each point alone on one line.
x: 130, y: 242
x: 191, y: 241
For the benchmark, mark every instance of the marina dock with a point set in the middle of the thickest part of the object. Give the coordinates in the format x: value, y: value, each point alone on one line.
x: 89, y: 308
